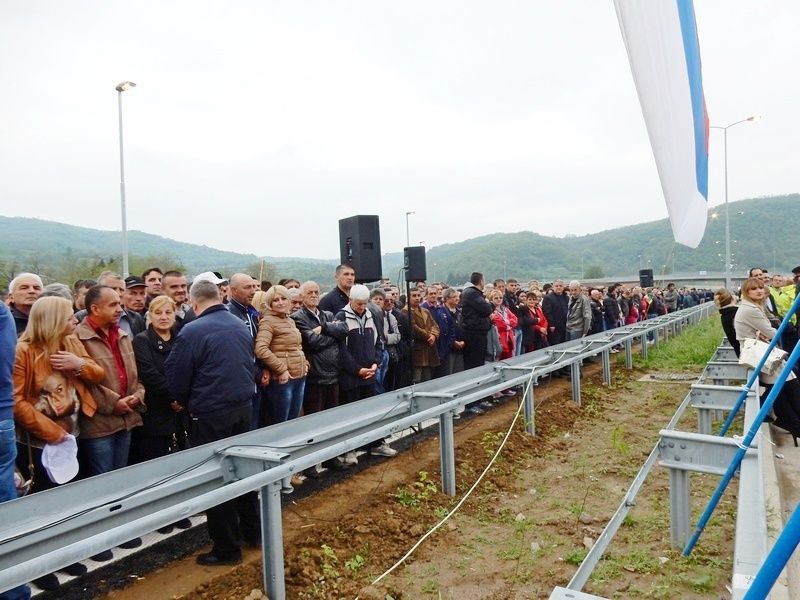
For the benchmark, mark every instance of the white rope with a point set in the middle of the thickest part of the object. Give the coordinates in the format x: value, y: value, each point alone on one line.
x: 528, y: 385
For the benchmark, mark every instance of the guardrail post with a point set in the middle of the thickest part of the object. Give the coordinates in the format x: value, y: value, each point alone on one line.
x: 606, y: 355
x: 628, y: 353
x: 643, y: 344
x: 272, y: 541
x: 528, y: 410
x: 447, y: 453
x: 656, y: 336
x: 704, y: 420
x: 575, y: 376
x: 679, y: 507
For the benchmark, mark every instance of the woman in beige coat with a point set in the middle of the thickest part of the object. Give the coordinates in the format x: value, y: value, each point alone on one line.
x: 279, y: 346
x: 751, y: 322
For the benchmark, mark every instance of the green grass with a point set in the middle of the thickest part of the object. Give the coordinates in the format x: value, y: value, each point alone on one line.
x: 692, y: 348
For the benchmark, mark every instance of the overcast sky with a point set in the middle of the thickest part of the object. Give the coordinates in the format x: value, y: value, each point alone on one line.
x: 256, y: 125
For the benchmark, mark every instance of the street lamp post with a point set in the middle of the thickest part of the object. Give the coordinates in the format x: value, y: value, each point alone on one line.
x: 727, y: 216
x: 123, y: 87
x: 408, y: 235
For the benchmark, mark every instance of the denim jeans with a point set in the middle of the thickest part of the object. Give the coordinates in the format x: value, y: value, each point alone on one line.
x: 574, y: 334
x: 107, y: 453
x: 284, y: 401
x: 380, y: 376
x: 8, y: 491
x: 518, y: 341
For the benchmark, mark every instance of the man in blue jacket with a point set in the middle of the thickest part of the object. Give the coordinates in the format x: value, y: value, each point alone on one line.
x: 210, y: 372
x: 8, y: 442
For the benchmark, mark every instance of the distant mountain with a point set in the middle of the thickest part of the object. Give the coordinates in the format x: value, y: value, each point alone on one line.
x: 763, y: 232
x: 66, y: 252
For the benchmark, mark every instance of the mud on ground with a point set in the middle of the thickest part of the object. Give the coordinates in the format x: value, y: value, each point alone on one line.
x: 523, y: 531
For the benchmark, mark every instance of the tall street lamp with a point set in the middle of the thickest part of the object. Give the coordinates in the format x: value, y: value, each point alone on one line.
x: 123, y: 87
x: 408, y: 236
x: 727, y: 219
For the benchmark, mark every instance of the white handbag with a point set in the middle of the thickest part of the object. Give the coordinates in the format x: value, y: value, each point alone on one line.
x: 753, y: 349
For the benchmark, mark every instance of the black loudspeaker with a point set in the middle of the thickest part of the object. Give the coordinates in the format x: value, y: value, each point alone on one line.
x: 645, y: 277
x: 360, y: 246
x: 414, y: 263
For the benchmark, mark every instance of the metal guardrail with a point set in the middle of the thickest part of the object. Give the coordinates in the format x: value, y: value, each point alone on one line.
x: 51, y: 529
x: 686, y: 452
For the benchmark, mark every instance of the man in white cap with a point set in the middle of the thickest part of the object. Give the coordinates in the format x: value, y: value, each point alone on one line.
x: 360, y: 356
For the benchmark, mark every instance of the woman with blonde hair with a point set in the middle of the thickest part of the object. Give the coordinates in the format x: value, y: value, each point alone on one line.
x: 751, y: 322
x: 51, y: 373
x: 259, y: 302
x: 279, y: 347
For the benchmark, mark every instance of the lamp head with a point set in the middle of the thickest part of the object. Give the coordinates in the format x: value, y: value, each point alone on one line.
x: 125, y: 86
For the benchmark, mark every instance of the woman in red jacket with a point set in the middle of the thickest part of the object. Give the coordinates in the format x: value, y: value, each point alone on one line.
x: 505, y: 321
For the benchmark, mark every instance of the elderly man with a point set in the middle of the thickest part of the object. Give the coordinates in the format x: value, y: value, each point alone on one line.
x: 451, y: 341
x: 360, y: 356
x: 210, y: 373
x: 23, y: 291
x: 556, y: 306
x: 338, y: 297
x: 174, y: 285
x: 426, y: 333
x: 579, y: 312
x: 322, y: 337
x: 134, y: 297
x: 241, y: 289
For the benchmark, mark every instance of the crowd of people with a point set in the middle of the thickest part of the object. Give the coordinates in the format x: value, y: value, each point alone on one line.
x: 131, y: 369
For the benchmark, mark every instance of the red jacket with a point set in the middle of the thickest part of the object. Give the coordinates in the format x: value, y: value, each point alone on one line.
x: 505, y: 321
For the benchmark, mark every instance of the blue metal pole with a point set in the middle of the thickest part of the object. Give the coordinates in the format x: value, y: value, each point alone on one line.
x: 776, y: 560
x: 754, y: 377
x: 737, y: 459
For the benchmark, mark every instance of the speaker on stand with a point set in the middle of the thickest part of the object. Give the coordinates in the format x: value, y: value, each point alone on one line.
x: 416, y: 270
x: 646, y: 278
x: 360, y: 246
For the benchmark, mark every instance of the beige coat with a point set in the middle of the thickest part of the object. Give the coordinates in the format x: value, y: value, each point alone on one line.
x: 107, y: 393
x: 279, y: 345
x: 423, y: 325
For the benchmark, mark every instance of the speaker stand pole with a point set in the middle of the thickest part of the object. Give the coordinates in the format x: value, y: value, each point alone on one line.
x: 411, y: 328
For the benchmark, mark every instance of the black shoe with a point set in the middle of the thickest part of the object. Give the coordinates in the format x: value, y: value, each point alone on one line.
x: 103, y: 556
x: 474, y: 410
x: 130, y: 544
x: 183, y: 523
x: 47, y: 583
x: 335, y: 464
x: 166, y: 529
x: 75, y: 569
x: 485, y: 405
x: 252, y: 542
x: 210, y: 559
x: 312, y: 473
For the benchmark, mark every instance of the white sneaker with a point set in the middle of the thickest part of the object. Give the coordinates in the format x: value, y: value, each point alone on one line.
x: 383, y: 450
x: 350, y: 458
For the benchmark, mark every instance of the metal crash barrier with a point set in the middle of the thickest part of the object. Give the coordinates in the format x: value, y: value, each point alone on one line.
x: 51, y: 529
x: 723, y: 387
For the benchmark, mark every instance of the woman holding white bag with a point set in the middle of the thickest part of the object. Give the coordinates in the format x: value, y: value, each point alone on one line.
x: 751, y: 322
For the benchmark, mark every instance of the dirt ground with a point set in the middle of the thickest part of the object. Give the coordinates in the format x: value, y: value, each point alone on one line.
x: 522, y: 532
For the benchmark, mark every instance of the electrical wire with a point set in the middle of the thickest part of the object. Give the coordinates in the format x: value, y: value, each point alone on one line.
x: 455, y: 509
